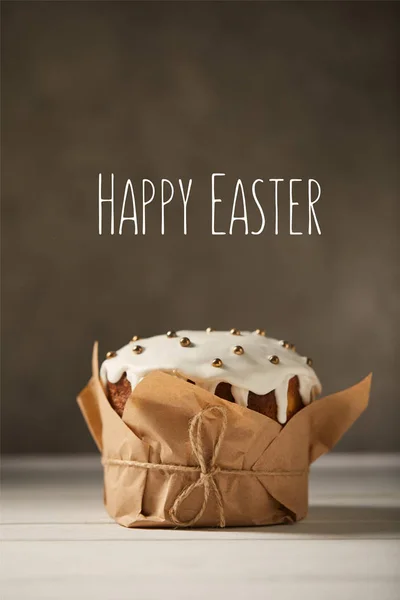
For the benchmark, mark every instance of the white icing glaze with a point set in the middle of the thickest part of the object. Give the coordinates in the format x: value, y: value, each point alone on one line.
x: 250, y: 371
x: 281, y: 399
x: 240, y: 395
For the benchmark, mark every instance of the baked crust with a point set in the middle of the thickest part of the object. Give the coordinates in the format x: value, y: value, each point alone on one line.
x: 118, y: 394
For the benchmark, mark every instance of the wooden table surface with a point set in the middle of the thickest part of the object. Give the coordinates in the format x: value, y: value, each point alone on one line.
x: 58, y: 542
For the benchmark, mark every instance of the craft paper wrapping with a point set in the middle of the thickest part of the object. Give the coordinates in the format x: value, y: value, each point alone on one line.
x: 180, y: 456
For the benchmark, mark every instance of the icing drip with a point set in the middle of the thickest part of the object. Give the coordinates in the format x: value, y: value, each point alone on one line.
x: 240, y: 395
x: 306, y: 389
x: 281, y: 398
x: 250, y: 370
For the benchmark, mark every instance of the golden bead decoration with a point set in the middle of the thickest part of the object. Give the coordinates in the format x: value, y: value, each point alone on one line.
x: 235, y: 331
x: 111, y: 354
x: 137, y: 349
x: 310, y: 362
x: 185, y: 342
x: 260, y: 332
x: 287, y: 345
x: 171, y: 334
x: 210, y: 330
x: 217, y: 362
x: 274, y: 359
x: 135, y: 338
x: 238, y: 350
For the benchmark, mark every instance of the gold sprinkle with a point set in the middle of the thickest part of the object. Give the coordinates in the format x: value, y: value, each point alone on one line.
x: 185, y: 342
x: 238, y: 350
x: 287, y: 345
x: 260, y: 332
x: 171, y: 334
x: 137, y: 349
x: 209, y: 329
x: 235, y: 331
x: 111, y: 354
x: 217, y: 362
x: 274, y: 359
x: 310, y: 362
x: 135, y: 338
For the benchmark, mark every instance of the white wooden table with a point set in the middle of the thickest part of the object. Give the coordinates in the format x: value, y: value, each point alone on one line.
x: 58, y: 542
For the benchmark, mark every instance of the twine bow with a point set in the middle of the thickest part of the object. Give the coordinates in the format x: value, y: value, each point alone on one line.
x: 207, y: 471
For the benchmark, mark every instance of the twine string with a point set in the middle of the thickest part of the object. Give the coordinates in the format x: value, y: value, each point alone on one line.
x: 207, y: 472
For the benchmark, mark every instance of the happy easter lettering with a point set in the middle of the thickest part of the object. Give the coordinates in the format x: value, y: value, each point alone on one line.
x: 128, y: 215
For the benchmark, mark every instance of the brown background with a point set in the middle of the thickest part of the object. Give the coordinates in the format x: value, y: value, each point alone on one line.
x: 183, y: 90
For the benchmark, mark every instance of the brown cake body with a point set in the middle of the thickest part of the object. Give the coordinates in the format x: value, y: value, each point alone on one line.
x: 118, y: 394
